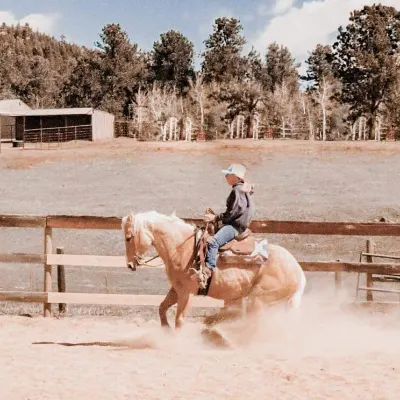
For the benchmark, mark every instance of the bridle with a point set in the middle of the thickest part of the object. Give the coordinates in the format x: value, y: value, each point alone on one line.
x: 139, y: 259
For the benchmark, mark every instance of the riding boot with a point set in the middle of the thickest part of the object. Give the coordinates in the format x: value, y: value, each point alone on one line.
x: 205, y: 274
x: 201, y: 275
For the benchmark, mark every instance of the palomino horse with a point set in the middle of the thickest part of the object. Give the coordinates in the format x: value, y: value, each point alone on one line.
x: 278, y: 280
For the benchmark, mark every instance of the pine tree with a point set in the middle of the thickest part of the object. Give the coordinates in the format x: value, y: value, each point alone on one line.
x: 172, y: 60
x: 223, y: 60
x: 365, y: 60
x: 321, y: 80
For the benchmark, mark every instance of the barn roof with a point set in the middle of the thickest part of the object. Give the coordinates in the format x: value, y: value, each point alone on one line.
x: 13, y: 105
x: 51, y: 111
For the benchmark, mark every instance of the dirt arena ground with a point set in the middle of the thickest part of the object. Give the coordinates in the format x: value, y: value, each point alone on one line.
x: 322, y: 352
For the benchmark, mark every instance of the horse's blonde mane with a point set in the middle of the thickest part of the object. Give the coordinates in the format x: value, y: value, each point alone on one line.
x: 141, y: 220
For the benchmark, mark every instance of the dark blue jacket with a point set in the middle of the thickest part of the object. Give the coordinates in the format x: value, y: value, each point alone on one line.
x: 239, y: 207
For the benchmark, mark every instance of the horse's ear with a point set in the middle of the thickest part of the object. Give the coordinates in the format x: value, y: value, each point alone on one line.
x: 127, y: 222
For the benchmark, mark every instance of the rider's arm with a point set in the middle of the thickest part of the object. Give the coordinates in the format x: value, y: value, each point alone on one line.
x: 233, y: 208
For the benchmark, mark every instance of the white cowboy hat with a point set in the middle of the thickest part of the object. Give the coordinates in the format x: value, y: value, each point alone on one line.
x: 235, y: 169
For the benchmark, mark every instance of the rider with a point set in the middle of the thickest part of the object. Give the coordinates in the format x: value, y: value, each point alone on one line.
x: 237, y: 216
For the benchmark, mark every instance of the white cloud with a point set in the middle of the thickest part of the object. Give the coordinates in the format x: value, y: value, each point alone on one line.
x: 281, y: 6
x: 42, y: 22
x: 277, y: 7
x: 302, y: 28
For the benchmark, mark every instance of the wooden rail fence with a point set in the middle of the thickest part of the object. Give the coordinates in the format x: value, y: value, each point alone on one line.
x: 50, y: 259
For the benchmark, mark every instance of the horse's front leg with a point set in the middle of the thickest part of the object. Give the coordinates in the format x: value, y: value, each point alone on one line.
x: 182, y: 308
x: 170, y: 299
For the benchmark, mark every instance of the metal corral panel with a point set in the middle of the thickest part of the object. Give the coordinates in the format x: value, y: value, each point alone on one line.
x: 102, y: 125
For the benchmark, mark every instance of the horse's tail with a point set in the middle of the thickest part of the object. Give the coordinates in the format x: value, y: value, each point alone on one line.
x: 295, y: 300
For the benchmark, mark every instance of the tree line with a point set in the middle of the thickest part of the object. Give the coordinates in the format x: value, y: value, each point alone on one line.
x: 350, y: 90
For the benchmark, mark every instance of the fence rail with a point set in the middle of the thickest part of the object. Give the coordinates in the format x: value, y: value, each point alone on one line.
x: 260, y: 226
x: 123, y: 129
x: 83, y: 260
x: 54, y: 137
x: 49, y: 259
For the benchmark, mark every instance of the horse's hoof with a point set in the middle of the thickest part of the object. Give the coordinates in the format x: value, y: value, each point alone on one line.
x: 217, y: 338
x: 210, y: 320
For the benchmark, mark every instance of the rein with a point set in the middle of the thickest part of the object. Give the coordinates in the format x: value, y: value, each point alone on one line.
x: 145, y: 263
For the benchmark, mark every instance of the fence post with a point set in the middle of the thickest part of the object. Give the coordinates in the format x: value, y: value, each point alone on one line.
x: 48, y: 249
x: 23, y: 134
x: 369, y: 282
x: 41, y: 132
x: 338, y: 280
x: 62, y: 307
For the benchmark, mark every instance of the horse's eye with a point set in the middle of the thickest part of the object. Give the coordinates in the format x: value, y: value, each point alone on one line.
x: 128, y: 239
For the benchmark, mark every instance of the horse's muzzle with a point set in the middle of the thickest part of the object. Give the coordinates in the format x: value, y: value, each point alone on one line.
x: 132, y: 266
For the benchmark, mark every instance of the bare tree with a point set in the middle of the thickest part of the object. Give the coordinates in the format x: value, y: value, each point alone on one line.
x: 140, y: 105
x: 163, y: 106
x: 308, y: 113
x: 283, y: 101
x: 197, y: 93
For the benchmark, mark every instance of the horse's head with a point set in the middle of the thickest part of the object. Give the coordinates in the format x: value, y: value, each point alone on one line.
x: 138, y: 239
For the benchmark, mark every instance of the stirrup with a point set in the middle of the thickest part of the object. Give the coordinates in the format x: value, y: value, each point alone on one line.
x: 200, y: 275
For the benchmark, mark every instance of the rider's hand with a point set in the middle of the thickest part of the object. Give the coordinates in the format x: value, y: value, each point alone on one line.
x: 209, y: 217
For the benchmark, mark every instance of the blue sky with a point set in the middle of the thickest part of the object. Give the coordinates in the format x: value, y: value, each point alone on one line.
x: 144, y: 20
x: 298, y: 24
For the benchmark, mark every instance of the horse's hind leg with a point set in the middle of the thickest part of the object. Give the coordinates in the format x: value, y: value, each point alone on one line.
x: 231, y: 311
x: 234, y: 304
x: 170, y: 299
x: 260, y: 300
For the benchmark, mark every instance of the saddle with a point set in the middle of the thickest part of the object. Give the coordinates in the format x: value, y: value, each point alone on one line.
x: 243, y: 245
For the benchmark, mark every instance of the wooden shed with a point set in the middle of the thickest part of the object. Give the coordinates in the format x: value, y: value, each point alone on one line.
x: 63, y: 124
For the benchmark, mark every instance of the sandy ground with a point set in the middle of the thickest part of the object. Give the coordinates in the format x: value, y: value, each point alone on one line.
x: 319, y: 353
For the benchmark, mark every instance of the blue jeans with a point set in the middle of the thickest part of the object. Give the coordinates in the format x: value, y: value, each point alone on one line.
x: 223, y: 236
